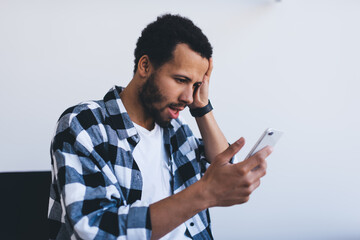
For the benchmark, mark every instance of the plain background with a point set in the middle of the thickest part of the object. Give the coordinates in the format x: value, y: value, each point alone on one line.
x: 291, y: 65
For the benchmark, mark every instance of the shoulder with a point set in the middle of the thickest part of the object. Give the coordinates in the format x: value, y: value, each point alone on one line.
x: 80, y: 126
x: 82, y: 123
x: 83, y: 115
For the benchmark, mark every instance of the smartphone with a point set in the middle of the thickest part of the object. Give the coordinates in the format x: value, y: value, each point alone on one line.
x: 268, y: 138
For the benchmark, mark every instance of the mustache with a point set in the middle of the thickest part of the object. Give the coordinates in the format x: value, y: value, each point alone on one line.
x: 177, y: 105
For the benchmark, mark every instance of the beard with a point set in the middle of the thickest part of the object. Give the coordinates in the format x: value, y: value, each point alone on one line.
x: 150, y: 95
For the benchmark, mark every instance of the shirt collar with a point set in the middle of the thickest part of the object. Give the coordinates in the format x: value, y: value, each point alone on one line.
x: 119, y: 119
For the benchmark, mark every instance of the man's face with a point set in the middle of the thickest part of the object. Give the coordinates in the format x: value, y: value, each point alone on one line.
x: 170, y: 88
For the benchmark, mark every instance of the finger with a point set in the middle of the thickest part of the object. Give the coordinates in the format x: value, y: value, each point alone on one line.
x: 257, y: 159
x: 260, y: 168
x: 211, y: 66
x: 255, y: 186
x: 264, y: 153
x: 259, y: 171
x: 196, y: 94
x: 206, y: 78
x: 234, y: 148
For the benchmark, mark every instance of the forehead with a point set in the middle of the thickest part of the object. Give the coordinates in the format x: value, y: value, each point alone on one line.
x: 186, y: 62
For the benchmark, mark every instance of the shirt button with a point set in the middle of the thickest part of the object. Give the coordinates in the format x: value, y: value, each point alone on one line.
x: 192, y: 224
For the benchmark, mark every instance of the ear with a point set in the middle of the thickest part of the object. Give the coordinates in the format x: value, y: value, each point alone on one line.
x: 144, y: 66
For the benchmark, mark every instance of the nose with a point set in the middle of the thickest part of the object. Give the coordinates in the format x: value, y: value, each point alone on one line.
x: 187, y: 95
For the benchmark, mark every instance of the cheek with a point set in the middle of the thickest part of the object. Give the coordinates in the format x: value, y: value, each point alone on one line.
x: 171, y: 90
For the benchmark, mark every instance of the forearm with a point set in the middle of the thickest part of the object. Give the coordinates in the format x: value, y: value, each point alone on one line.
x: 213, y: 138
x: 170, y: 212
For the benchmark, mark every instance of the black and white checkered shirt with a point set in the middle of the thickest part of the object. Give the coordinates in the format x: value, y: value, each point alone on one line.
x: 96, y: 184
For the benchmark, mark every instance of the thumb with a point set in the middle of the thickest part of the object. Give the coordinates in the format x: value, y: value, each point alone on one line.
x: 226, y: 155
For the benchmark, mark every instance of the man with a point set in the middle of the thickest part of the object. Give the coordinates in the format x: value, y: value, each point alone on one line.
x: 128, y: 167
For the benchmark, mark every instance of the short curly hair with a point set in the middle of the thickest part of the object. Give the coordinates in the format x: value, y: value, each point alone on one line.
x: 159, y: 39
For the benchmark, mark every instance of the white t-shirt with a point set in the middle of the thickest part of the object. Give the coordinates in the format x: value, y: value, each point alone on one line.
x: 152, y: 159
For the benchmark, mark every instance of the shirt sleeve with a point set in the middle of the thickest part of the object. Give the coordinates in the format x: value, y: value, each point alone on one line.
x: 91, y: 197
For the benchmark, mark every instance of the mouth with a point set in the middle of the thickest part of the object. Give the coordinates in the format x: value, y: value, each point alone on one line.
x: 175, y: 110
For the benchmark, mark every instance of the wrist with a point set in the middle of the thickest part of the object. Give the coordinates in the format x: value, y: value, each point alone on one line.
x: 203, y: 195
x: 199, y: 112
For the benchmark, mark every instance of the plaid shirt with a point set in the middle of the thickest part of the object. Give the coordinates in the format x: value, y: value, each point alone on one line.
x: 96, y: 184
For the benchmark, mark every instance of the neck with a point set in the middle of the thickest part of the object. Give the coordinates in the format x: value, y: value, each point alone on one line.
x: 134, y: 107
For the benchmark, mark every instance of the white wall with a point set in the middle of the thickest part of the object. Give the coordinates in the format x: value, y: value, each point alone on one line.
x: 291, y: 64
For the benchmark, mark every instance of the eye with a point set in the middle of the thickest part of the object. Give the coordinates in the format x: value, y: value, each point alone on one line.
x: 181, y: 80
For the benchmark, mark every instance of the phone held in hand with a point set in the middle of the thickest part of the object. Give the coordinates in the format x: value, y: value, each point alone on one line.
x: 268, y: 138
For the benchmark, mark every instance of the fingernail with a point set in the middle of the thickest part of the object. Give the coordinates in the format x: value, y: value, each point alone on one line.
x: 240, y: 141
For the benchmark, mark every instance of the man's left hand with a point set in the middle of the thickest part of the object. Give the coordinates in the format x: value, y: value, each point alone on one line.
x: 201, y: 93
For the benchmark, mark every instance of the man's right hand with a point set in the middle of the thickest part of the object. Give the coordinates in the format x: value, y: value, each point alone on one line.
x: 226, y: 184
x: 223, y: 184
